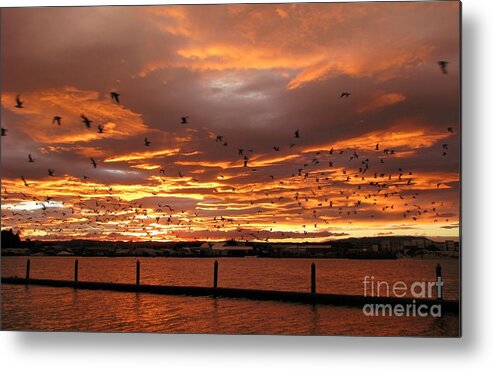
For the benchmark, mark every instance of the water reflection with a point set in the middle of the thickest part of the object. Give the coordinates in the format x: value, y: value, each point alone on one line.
x: 65, y: 309
x: 314, y: 319
x: 333, y: 275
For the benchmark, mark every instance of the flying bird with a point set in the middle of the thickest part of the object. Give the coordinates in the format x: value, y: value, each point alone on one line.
x: 94, y: 164
x: 276, y: 148
x: 18, y: 102
x: 86, y: 121
x: 167, y: 206
x: 297, y: 133
x: 4, y: 132
x: 57, y: 119
x: 450, y: 129
x: 443, y: 66
x: 100, y: 128
x: 115, y: 96
x: 184, y: 120
x: 51, y: 172
x: 147, y: 142
x: 24, y: 180
x: 30, y: 158
x: 345, y: 94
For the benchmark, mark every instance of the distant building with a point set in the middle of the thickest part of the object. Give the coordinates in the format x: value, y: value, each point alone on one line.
x: 442, y: 246
x: 451, y: 246
x: 223, y: 249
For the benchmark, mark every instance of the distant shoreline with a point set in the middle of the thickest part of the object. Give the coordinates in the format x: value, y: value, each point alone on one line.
x: 431, y: 257
x: 366, y: 248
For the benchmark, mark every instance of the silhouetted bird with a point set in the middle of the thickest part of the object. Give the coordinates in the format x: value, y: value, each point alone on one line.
x: 345, y: 94
x: 297, y: 133
x: 276, y: 148
x: 94, y: 164
x: 443, y: 66
x: 377, y: 146
x: 147, y: 142
x: 219, y: 138
x: 115, y: 96
x: 30, y: 158
x: 184, y: 120
x: 4, y: 132
x: 100, y: 128
x: 24, y: 180
x: 18, y: 102
x: 86, y: 121
x: 450, y: 129
x: 50, y: 172
x: 57, y: 119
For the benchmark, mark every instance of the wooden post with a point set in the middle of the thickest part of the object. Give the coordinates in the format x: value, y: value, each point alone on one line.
x: 76, y: 270
x: 137, y: 273
x: 28, y: 268
x: 314, y: 279
x: 216, y: 266
x: 438, y: 272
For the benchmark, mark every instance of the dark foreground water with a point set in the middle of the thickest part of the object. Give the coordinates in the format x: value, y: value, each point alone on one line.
x: 65, y: 309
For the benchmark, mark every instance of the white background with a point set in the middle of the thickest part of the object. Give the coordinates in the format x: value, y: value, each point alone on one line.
x: 83, y: 350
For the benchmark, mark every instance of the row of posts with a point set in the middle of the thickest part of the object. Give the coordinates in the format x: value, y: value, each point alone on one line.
x: 438, y: 272
x: 137, y: 273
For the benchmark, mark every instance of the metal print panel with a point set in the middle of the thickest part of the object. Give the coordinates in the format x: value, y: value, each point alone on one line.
x: 240, y: 169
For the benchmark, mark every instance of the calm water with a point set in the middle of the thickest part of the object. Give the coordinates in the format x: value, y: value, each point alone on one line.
x: 64, y: 309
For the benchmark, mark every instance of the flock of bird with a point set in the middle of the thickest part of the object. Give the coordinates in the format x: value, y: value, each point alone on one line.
x: 323, y: 189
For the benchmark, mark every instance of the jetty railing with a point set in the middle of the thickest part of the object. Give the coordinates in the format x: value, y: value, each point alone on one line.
x: 301, y: 297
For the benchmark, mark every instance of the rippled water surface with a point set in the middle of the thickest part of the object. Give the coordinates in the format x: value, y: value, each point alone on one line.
x: 65, y: 309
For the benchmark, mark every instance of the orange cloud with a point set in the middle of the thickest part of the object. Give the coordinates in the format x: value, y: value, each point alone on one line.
x: 146, y: 166
x: 381, y: 100
x: 69, y: 102
x: 303, y: 40
x: 398, y: 137
x: 142, y: 155
x: 85, y: 151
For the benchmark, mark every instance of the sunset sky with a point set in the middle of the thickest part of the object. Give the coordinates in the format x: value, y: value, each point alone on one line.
x: 255, y: 75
